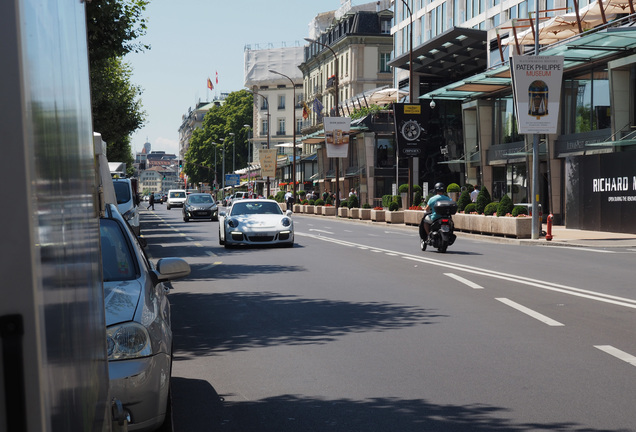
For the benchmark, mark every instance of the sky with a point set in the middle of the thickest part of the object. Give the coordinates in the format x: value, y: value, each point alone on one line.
x: 193, y: 40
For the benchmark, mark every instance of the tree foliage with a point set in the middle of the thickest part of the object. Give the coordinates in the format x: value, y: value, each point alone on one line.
x: 113, y: 27
x: 483, y: 199
x: 214, y: 137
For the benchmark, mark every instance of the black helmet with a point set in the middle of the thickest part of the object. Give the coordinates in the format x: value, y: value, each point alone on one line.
x: 439, y: 187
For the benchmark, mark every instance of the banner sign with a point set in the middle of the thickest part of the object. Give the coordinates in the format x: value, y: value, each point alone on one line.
x: 267, y: 159
x: 409, y: 130
x: 537, y: 92
x: 337, y: 131
x: 601, y: 192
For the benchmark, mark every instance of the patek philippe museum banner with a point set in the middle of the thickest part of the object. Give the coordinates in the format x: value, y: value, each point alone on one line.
x: 537, y: 84
x: 337, y: 136
x: 267, y: 158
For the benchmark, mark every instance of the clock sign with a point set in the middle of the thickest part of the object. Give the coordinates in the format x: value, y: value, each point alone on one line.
x: 410, y: 134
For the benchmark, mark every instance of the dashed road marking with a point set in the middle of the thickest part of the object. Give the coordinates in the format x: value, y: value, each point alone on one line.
x: 622, y: 355
x: 464, y: 281
x: 534, y: 314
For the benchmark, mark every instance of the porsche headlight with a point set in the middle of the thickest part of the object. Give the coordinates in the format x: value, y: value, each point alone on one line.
x: 128, y: 340
x: 286, y: 222
x: 233, y: 223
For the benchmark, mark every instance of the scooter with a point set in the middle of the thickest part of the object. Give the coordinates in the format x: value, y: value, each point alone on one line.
x: 441, y: 234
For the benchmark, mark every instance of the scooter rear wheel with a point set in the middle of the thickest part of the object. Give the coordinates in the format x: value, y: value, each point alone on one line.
x: 422, y: 245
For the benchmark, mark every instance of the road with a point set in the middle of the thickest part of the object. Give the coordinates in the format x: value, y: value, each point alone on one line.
x: 356, y: 329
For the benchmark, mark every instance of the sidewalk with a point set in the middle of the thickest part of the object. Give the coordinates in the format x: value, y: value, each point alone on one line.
x: 561, y: 236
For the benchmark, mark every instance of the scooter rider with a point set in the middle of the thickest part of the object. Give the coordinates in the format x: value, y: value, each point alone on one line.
x: 430, y: 208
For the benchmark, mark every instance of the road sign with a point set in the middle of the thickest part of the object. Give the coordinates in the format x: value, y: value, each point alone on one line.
x: 232, y: 179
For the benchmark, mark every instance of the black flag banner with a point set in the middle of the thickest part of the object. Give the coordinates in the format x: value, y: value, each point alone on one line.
x: 410, y: 133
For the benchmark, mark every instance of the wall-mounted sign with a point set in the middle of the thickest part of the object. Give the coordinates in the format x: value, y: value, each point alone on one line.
x: 337, y: 136
x: 410, y: 132
x: 232, y: 179
x: 537, y: 92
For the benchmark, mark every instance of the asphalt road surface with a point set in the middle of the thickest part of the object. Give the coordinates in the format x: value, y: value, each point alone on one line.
x: 356, y: 329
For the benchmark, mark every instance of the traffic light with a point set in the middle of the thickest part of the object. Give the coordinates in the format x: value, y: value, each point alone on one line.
x: 180, y: 163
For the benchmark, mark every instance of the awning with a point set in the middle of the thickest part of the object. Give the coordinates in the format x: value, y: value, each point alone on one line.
x: 590, y: 48
x: 456, y: 52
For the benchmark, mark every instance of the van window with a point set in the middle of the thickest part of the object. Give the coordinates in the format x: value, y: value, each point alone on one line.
x: 122, y: 191
x: 177, y: 194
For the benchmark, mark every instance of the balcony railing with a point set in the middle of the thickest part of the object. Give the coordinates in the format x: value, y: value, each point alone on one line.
x: 279, y: 133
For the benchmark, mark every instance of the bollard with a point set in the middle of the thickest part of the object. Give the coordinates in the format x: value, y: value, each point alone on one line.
x: 548, y: 235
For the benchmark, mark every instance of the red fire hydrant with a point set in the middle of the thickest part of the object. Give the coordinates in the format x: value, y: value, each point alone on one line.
x: 548, y: 235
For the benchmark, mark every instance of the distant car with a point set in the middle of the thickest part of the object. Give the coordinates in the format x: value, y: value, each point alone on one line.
x: 200, y: 206
x: 158, y: 198
x: 127, y: 202
x: 226, y: 200
x: 138, y: 333
x: 256, y: 222
x: 176, y: 198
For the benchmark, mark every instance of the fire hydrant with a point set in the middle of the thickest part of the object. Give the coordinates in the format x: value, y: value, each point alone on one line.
x: 548, y: 235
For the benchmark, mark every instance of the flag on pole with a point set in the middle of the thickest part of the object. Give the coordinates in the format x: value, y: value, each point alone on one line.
x: 217, y: 77
x: 317, y: 106
x: 210, y: 85
x: 305, y: 110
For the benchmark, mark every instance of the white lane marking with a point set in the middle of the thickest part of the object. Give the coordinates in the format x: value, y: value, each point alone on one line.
x: 464, y: 281
x: 622, y: 355
x: 210, y: 253
x: 321, y: 231
x: 399, y: 233
x: 534, y: 314
x: 551, y: 286
x: 189, y: 239
x: 211, y: 266
x: 585, y: 249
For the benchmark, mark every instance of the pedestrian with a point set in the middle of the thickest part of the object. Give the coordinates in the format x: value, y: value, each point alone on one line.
x: 289, y: 199
x: 474, y: 193
x: 151, y: 201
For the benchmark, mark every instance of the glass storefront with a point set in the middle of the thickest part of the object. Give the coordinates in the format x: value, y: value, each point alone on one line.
x: 505, y: 121
x: 586, y: 102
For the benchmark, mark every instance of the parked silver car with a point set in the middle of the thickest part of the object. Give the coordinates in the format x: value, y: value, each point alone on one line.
x: 137, y: 323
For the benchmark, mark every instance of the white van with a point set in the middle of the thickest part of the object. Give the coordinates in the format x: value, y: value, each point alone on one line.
x: 127, y: 203
x: 176, y: 198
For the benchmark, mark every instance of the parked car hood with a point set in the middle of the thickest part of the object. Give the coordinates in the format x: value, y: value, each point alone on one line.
x: 259, y: 221
x: 121, y: 299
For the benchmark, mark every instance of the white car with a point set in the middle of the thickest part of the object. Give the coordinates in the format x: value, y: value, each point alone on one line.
x: 176, y: 198
x: 256, y: 222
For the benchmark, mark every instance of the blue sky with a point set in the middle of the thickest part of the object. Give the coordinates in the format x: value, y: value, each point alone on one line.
x: 191, y: 40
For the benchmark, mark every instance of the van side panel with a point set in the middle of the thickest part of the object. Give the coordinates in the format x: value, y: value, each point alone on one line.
x: 50, y: 258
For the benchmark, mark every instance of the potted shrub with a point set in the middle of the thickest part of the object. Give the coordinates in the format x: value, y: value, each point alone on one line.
x: 365, y: 212
x: 463, y: 201
x: 483, y: 199
x: 505, y: 206
x: 453, y: 191
x: 378, y: 214
x: 319, y: 203
x: 394, y: 215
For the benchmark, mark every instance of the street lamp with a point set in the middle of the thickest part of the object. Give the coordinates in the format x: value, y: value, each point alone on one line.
x: 233, y: 156
x: 247, y: 165
x: 223, y: 165
x: 411, y: 98
x: 294, y: 134
x: 335, y: 99
x: 268, y: 134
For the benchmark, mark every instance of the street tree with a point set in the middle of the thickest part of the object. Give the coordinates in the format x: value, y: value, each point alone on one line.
x: 113, y: 30
x: 219, y: 122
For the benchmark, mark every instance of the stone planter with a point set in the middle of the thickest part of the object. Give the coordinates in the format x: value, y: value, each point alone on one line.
x: 395, y: 217
x: 519, y: 227
x: 413, y: 217
x: 354, y: 213
x: 365, y: 213
x: 318, y: 210
x: 297, y: 208
x: 343, y: 212
x: 328, y: 211
x: 309, y: 209
x: 378, y: 215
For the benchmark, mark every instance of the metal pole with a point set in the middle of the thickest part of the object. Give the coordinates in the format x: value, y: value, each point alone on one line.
x: 411, y: 100
x: 535, y: 149
x: 294, y: 134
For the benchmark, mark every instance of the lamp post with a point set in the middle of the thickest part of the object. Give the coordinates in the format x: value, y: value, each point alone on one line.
x: 223, y: 165
x: 233, y: 157
x: 411, y: 98
x: 247, y: 165
x: 336, y: 102
x: 294, y: 134
x: 268, y: 133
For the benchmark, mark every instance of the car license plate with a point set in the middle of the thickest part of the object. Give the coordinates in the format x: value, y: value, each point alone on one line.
x: 445, y: 228
x: 200, y: 213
